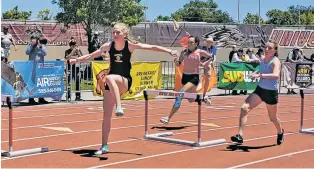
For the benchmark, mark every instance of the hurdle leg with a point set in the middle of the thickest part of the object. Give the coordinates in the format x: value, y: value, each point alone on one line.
x: 302, y: 109
x: 12, y: 153
x: 10, y: 125
x: 146, y: 114
x: 199, y: 111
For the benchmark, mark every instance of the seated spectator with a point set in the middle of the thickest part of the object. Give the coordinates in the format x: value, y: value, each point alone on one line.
x: 251, y: 55
x: 239, y: 57
x: 260, y: 54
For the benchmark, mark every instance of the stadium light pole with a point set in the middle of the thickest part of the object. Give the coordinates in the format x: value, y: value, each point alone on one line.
x: 299, y: 17
x: 259, y: 13
x: 145, y: 7
x: 238, y: 11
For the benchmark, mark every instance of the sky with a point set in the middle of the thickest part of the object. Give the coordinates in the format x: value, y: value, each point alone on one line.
x: 167, y: 7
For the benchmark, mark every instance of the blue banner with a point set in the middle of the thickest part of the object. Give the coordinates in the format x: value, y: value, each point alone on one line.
x: 28, y: 79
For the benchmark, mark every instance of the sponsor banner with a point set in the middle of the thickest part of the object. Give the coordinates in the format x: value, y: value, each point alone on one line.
x: 234, y: 76
x: 297, y: 75
x: 293, y: 37
x: 303, y: 74
x: 145, y: 75
x: 28, y: 79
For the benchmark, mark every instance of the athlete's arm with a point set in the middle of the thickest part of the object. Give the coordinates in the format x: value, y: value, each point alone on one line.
x: 178, y: 61
x: 86, y: 58
x: 156, y: 48
x: 207, y: 55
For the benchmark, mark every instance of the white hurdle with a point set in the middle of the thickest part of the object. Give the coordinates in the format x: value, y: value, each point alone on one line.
x: 9, y: 99
x: 162, y: 136
x: 302, y: 92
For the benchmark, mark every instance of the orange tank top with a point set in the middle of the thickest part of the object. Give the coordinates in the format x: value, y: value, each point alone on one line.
x: 191, y: 62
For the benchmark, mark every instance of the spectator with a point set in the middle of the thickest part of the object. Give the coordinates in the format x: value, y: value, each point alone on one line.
x: 6, y: 42
x: 73, y: 70
x: 210, y: 47
x: 294, y: 56
x: 260, y: 54
x: 95, y: 45
x: 232, y: 52
x: 250, y: 54
x: 239, y: 57
x: 36, y: 51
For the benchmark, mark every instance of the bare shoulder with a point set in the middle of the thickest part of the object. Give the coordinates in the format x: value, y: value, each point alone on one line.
x: 106, y: 46
x: 276, y: 61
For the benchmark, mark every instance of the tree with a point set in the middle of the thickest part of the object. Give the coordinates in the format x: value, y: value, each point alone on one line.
x: 91, y: 13
x: 201, y: 11
x: 279, y: 17
x: 16, y: 14
x: 292, y: 15
x: 305, y: 14
x: 163, y: 18
x: 252, y: 19
x: 44, y: 14
x: 307, y: 18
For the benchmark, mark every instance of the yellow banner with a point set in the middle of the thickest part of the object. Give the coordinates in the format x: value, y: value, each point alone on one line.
x: 145, y: 75
x: 100, y: 70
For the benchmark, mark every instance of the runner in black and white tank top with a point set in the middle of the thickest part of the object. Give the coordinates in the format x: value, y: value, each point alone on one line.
x: 120, y: 62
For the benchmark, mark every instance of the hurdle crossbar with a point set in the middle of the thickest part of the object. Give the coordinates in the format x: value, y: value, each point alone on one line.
x: 163, y: 136
x: 11, y: 153
x: 302, y: 129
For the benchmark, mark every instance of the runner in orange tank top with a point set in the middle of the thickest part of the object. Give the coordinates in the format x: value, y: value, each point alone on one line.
x: 191, y: 58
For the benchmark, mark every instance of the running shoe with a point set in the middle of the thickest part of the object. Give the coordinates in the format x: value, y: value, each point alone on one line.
x: 207, y: 100
x: 103, y: 150
x: 164, y: 120
x: 237, y: 138
x: 119, y: 112
x: 280, y: 138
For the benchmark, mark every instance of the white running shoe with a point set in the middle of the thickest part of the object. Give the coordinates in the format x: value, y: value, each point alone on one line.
x: 164, y: 120
x: 207, y: 100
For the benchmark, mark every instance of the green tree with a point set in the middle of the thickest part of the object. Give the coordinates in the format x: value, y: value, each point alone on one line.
x: 163, y: 18
x: 92, y: 13
x: 44, y: 14
x: 16, y: 14
x: 201, y: 11
x: 307, y: 18
x: 305, y: 14
x: 279, y: 17
x: 253, y: 19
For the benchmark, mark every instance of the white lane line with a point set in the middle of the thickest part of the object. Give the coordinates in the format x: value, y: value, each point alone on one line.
x: 69, y: 114
x: 271, y: 158
x: 154, y: 124
x: 97, y: 130
x: 85, y: 121
x: 175, y: 152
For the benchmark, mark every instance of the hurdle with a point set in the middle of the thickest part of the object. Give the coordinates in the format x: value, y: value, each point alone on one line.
x: 11, y: 153
x: 302, y: 92
x: 163, y: 136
